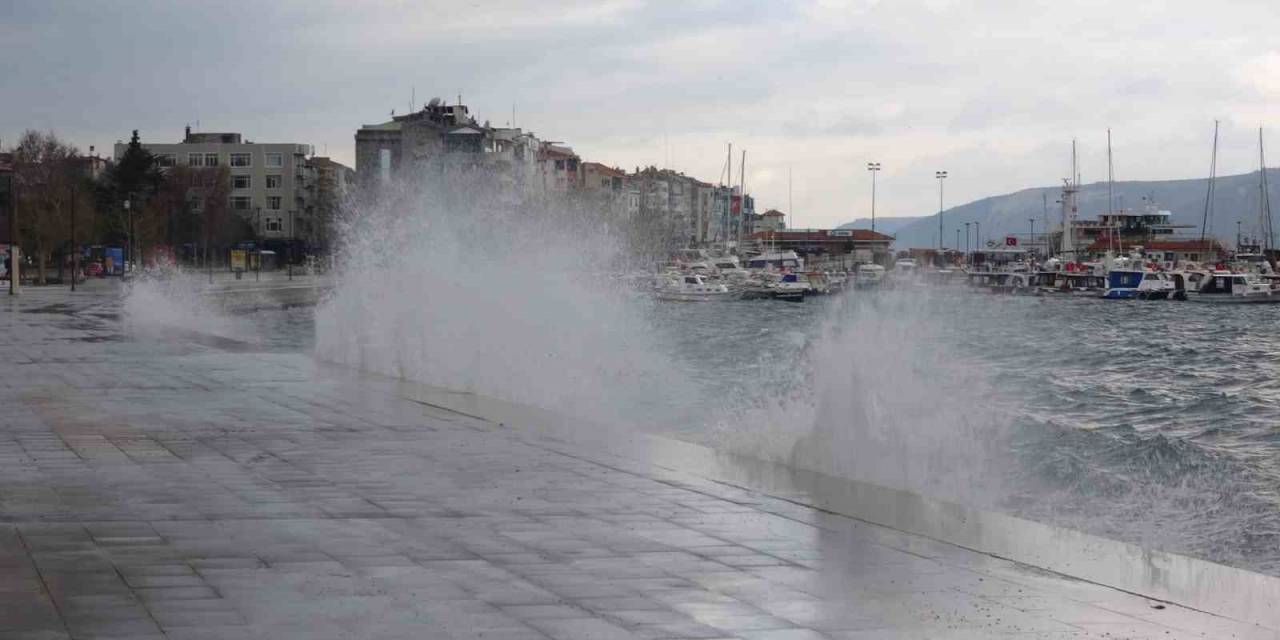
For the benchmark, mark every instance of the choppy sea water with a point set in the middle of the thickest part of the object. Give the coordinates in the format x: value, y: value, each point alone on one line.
x: 1151, y: 422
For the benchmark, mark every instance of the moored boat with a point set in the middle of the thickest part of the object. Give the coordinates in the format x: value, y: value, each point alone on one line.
x: 690, y: 287
x: 1226, y: 287
x: 868, y: 276
x: 1137, y: 284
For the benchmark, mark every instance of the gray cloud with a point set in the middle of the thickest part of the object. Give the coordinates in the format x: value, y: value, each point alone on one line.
x: 992, y: 92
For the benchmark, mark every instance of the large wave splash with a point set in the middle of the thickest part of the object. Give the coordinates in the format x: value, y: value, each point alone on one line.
x: 462, y: 283
x: 884, y: 394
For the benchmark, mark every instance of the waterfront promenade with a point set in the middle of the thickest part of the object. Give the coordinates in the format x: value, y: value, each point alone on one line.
x: 181, y: 485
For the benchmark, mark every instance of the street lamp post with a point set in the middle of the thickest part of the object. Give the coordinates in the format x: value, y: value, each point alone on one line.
x: 289, y: 253
x: 1237, y: 236
x: 128, y: 233
x: 8, y: 180
x: 940, y: 175
x: 874, y: 168
x: 75, y: 251
x: 957, y: 238
x: 1031, y: 241
x: 977, y: 236
x: 257, y: 244
x: 966, y: 238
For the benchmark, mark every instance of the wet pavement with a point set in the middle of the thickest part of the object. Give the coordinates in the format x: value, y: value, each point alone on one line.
x: 165, y: 485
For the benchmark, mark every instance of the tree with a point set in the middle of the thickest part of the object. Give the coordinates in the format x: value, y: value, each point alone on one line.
x: 49, y: 175
x: 135, y: 177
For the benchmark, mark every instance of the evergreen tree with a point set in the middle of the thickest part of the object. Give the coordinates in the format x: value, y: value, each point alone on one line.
x: 135, y: 177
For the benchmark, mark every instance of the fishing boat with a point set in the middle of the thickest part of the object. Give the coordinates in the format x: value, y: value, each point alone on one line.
x: 1137, y: 284
x: 1226, y: 287
x: 775, y: 286
x: 1073, y: 283
x: 690, y: 287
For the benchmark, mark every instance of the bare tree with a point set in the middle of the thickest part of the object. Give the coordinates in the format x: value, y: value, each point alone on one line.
x: 47, y: 171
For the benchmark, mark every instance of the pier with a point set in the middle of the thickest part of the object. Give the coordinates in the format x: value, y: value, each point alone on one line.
x: 186, y: 486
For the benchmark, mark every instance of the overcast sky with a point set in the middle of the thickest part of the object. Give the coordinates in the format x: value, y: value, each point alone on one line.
x: 992, y: 92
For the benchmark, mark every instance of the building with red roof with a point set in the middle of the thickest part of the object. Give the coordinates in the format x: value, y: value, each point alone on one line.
x: 863, y: 245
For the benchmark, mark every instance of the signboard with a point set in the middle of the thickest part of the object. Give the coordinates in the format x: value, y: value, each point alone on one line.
x: 840, y: 232
x: 1010, y: 241
x: 237, y: 260
x: 114, y: 257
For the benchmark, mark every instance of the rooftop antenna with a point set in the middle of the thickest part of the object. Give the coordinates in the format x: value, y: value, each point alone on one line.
x: 1208, y: 196
x: 413, y: 98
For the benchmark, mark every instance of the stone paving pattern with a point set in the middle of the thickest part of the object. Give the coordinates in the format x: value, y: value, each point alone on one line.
x: 194, y: 489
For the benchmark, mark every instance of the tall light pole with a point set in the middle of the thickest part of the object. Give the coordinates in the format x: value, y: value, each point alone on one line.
x: 289, y: 253
x: 75, y: 250
x: 966, y: 238
x: 874, y: 168
x: 977, y: 236
x: 9, y: 181
x: 940, y: 175
x: 128, y: 254
x: 257, y: 244
x: 957, y: 238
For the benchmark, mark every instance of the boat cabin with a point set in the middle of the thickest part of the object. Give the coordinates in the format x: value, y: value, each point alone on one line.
x: 783, y: 260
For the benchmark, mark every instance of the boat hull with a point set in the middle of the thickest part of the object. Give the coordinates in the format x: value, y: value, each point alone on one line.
x: 1230, y: 299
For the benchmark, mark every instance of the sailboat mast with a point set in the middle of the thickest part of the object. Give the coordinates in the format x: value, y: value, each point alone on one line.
x: 1111, y: 180
x: 742, y: 199
x: 728, y: 200
x: 1208, y: 196
x: 1265, y: 199
x: 1069, y: 207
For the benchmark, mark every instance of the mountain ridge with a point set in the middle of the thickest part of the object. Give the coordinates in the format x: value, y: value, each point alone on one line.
x: 1237, y: 198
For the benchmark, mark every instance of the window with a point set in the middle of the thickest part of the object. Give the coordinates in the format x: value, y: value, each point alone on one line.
x: 241, y: 182
x: 195, y: 159
x: 241, y: 160
x: 241, y: 203
x: 275, y: 160
x: 273, y: 181
x: 210, y: 159
x: 572, y: 163
x: 559, y: 165
x: 273, y: 203
x: 166, y: 159
x: 275, y: 224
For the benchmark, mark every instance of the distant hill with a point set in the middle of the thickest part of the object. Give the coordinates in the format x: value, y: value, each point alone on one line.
x: 884, y: 225
x: 1237, y: 198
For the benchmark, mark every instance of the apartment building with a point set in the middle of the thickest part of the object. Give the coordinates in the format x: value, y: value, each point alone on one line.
x: 270, y: 182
